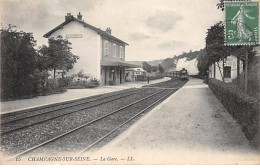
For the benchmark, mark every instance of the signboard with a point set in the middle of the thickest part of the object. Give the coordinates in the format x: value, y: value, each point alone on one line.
x: 74, y: 36
x: 242, y: 23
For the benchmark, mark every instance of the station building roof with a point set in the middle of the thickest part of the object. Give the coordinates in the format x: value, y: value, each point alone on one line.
x: 98, y: 30
x: 121, y: 64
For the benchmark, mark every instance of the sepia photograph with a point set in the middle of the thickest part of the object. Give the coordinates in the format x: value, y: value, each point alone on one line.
x: 129, y: 82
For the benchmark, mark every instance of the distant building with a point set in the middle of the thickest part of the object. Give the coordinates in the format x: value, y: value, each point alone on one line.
x: 229, y: 72
x: 101, y: 54
x: 169, y: 72
x: 58, y: 74
x: 133, y: 74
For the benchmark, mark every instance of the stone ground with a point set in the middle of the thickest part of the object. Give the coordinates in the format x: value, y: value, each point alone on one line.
x: 190, y: 127
x: 69, y: 95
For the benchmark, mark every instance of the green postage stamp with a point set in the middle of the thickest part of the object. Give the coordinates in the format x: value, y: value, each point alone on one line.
x: 242, y: 23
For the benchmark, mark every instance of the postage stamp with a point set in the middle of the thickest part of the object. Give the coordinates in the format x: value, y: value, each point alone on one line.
x: 242, y: 23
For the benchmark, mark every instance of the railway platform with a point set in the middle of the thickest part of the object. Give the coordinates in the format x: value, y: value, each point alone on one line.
x: 71, y: 94
x: 189, y: 127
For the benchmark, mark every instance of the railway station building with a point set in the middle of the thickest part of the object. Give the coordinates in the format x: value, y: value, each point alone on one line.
x: 102, y: 55
x: 231, y: 64
x: 226, y: 69
x: 132, y: 74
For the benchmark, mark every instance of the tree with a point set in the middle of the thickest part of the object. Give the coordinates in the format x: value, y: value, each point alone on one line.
x: 215, y: 40
x: 57, y: 55
x: 221, y: 5
x: 154, y: 68
x: 147, y: 67
x: 216, y: 49
x: 160, y: 68
x: 203, y: 63
x: 81, y: 75
x: 18, y: 64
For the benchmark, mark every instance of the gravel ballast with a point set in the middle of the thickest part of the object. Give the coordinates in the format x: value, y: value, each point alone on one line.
x: 21, y: 140
x: 18, y: 141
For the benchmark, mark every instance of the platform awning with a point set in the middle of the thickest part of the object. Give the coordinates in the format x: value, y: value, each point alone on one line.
x: 120, y: 64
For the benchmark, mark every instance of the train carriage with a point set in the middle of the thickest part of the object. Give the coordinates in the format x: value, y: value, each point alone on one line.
x: 182, y: 74
x: 176, y: 74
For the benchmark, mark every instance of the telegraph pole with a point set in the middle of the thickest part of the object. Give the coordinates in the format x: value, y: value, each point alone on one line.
x: 238, y: 70
x: 246, y: 68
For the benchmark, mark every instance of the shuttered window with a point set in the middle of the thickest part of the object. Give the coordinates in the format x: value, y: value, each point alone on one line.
x: 106, y: 48
x: 121, y: 53
x: 114, y: 50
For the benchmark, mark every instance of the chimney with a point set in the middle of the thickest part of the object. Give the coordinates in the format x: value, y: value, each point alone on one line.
x: 108, y: 30
x: 69, y: 17
x: 79, y: 16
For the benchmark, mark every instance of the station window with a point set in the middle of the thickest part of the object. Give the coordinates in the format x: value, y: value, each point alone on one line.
x: 114, y: 50
x: 121, y: 53
x: 227, y: 72
x: 106, y: 48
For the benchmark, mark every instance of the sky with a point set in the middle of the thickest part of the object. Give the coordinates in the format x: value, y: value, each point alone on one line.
x: 154, y: 29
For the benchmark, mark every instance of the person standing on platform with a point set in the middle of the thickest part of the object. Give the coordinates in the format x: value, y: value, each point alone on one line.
x: 148, y: 79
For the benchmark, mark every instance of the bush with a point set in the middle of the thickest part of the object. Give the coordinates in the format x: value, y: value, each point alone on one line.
x: 52, y: 86
x: 23, y: 71
x: 94, y: 83
x: 18, y: 64
x: 243, y: 108
x: 144, y: 78
x: 111, y: 83
x: 155, y: 77
x: 141, y: 78
x: 81, y: 84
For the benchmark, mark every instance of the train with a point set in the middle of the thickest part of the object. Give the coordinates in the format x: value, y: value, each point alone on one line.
x: 182, y: 74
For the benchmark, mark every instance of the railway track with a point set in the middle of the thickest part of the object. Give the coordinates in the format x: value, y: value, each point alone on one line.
x: 118, y: 117
x: 81, y: 152
x: 8, y: 117
x: 21, y: 123
x: 165, y: 84
x: 27, y: 137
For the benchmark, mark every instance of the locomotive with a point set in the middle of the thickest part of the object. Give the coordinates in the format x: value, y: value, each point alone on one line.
x: 183, y: 74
